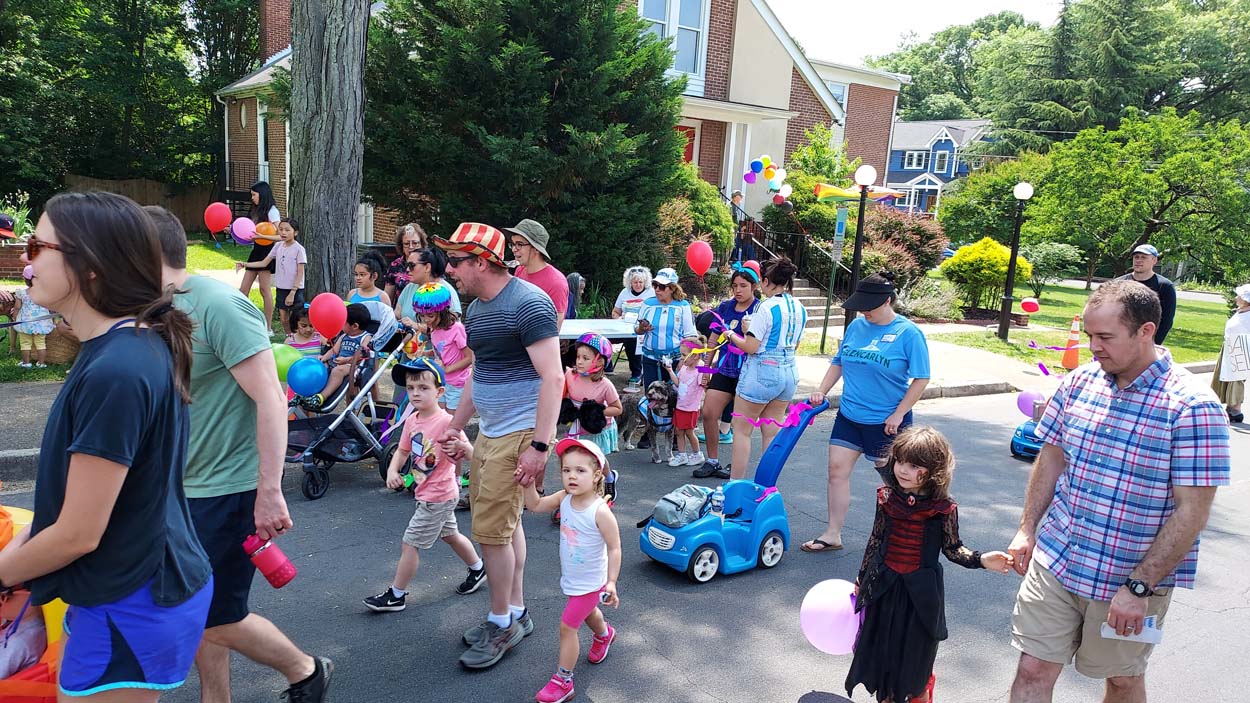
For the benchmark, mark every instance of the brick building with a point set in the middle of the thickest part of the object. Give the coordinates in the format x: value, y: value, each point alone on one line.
x: 750, y: 90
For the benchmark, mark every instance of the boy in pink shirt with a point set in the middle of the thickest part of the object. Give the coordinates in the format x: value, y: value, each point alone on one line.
x: 437, y: 488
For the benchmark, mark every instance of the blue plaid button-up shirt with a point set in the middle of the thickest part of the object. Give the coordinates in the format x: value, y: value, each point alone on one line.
x: 1125, y: 449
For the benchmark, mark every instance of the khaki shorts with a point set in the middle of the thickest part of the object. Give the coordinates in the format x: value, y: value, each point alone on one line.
x: 431, y: 522
x: 494, y: 495
x: 31, y: 342
x: 1053, y: 624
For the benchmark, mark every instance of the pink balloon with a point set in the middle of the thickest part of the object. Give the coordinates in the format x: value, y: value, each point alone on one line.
x: 828, y: 618
x: 699, y: 257
x: 1025, y: 401
x: 1030, y: 305
x: 243, y: 230
x: 749, y: 177
x: 779, y: 199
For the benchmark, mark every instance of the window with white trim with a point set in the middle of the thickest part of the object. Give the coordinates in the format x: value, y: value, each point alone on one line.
x: 684, y: 23
x: 914, y: 159
x: 941, y: 159
x: 839, y: 92
x: 906, y: 200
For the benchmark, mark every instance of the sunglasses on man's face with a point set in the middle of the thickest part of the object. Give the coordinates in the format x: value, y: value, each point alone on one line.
x: 454, y: 261
x: 33, y: 247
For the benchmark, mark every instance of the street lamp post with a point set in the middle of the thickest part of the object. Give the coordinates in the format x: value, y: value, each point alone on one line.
x: 1023, y: 191
x: 864, y: 176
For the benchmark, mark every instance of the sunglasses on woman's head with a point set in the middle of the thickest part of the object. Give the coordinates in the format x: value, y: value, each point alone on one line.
x: 34, y: 245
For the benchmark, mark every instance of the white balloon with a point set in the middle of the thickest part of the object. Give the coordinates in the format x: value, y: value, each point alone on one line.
x: 786, y: 190
x: 780, y: 174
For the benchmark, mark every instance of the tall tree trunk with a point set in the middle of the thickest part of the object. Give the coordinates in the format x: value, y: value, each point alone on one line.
x: 326, y: 124
x: 1090, y: 265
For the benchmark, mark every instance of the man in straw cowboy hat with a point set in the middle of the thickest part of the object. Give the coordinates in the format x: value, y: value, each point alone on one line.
x: 515, y: 390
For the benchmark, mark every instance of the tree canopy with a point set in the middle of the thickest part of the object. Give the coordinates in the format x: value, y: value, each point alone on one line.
x: 496, y: 110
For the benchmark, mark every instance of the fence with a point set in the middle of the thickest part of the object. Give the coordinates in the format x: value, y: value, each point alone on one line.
x: 187, y: 205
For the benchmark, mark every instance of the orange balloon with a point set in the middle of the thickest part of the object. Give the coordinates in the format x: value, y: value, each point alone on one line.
x: 769, y: 173
x: 266, y: 229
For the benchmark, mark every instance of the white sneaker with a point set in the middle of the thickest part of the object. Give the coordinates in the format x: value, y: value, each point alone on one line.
x: 695, y: 459
x: 679, y: 459
x: 28, y: 365
x: 40, y: 365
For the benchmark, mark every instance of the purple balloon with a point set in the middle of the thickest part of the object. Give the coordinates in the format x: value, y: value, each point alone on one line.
x: 828, y: 618
x: 243, y: 230
x: 749, y: 177
x: 1025, y: 401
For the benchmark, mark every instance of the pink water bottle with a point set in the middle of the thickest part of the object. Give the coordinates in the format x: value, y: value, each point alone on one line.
x: 270, y: 560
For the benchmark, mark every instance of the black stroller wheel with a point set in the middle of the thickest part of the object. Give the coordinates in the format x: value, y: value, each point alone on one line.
x: 387, y: 455
x: 315, y: 484
x: 322, y: 463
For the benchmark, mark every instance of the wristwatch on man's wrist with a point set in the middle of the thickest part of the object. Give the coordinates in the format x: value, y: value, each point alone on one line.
x: 540, y: 446
x: 1139, y: 588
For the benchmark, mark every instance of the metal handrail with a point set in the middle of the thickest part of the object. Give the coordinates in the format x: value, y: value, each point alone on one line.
x: 794, y: 245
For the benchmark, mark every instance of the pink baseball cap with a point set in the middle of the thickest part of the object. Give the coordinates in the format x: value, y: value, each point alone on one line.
x: 571, y: 442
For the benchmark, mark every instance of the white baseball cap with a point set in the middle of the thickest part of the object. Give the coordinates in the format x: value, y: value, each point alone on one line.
x: 667, y: 276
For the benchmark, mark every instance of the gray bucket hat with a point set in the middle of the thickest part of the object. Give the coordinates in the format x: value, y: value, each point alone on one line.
x: 534, y: 233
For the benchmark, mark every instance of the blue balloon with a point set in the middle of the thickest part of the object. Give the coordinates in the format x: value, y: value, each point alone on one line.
x: 307, y: 376
x: 757, y: 166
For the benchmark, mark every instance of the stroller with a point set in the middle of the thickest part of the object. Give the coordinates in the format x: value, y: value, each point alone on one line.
x: 37, y: 682
x: 318, y: 439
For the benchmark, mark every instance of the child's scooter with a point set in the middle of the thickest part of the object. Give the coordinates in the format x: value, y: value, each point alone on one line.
x: 754, y: 530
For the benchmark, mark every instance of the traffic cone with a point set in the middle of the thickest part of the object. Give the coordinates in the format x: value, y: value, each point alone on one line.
x: 1072, y: 355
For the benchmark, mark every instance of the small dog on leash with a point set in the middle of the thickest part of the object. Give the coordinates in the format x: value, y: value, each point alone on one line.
x: 654, y: 417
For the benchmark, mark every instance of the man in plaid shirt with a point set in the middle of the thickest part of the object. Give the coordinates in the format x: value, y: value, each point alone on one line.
x: 1133, y: 451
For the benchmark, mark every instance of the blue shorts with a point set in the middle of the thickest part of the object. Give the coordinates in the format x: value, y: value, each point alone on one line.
x: 132, y: 643
x: 871, y: 440
x: 451, y: 396
x: 768, y: 378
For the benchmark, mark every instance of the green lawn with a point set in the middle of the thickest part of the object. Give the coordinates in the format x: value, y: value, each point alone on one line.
x: 203, y: 256
x: 1197, y: 331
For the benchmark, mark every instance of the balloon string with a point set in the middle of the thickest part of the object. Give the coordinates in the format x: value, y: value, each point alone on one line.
x: 1034, y: 345
x: 793, y: 417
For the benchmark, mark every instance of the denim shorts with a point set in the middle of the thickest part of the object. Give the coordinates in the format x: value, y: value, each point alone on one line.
x: 451, y: 396
x: 768, y: 377
x: 871, y: 440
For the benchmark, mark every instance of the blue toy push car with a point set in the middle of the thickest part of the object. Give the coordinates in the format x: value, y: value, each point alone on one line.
x: 1025, y: 442
x: 755, y: 530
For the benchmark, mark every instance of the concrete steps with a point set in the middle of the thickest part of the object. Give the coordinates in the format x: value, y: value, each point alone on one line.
x: 813, y: 299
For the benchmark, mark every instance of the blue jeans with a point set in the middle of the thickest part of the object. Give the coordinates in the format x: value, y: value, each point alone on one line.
x: 653, y: 371
x: 768, y: 376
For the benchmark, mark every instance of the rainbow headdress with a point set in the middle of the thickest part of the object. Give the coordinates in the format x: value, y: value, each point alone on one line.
x: 431, y: 298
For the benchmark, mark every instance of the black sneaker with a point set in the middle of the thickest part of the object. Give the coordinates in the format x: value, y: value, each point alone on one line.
x: 387, y: 602
x: 708, y: 470
x: 722, y: 471
x: 315, y: 688
x: 472, y: 582
x: 609, y: 487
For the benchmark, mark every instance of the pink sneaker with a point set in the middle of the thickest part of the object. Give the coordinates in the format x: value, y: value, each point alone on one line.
x: 557, y: 690
x: 599, y: 646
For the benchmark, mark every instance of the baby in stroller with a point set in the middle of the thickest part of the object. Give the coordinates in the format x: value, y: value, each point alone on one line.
x: 369, y: 326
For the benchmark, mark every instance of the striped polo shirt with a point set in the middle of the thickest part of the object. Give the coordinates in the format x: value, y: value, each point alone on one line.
x: 778, y: 323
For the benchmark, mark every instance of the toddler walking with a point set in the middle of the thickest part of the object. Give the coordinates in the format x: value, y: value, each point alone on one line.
x: 900, y: 586
x: 590, y: 557
x: 690, y: 390
x: 34, y: 325
x: 591, y: 401
x: 434, y: 474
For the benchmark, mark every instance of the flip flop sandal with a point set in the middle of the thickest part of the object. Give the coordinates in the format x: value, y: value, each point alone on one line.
x: 824, y: 546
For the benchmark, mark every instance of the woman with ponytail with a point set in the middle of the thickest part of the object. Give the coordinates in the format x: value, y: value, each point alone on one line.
x: 112, y: 533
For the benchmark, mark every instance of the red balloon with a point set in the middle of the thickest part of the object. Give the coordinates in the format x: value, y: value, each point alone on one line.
x: 327, y: 314
x: 1030, y: 305
x: 699, y: 257
x: 217, y: 217
x: 779, y: 199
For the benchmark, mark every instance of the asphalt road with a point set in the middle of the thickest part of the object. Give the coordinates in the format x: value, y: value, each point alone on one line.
x: 734, y: 639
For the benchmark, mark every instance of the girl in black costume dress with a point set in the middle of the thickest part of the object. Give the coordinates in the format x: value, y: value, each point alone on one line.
x: 900, y: 583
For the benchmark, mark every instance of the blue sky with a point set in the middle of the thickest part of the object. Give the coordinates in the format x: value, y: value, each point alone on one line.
x: 843, y: 31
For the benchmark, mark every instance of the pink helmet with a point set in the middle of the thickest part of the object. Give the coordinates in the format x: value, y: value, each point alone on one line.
x: 597, y: 342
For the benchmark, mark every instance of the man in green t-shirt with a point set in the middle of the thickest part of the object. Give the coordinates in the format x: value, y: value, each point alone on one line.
x: 234, y: 471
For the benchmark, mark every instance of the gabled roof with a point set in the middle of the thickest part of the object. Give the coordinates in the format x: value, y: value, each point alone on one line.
x: 257, y: 80
x: 801, y: 63
x: 922, y: 134
x: 923, y: 179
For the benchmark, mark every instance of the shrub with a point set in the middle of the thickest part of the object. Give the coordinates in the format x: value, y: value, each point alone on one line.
x: 884, y: 256
x: 676, y: 227
x: 979, y: 272
x: 921, y: 238
x: 930, y: 299
x: 18, y: 207
x: 709, y: 213
x: 1052, y: 262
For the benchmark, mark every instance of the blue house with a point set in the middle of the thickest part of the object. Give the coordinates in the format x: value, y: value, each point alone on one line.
x: 926, y: 155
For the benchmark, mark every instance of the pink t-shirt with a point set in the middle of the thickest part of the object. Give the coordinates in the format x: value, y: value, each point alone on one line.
x: 689, y: 391
x: 450, y: 344
x: 288, y: 258
x: 553, y: 283
x: 580, y: 388
x: 441, y: 485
